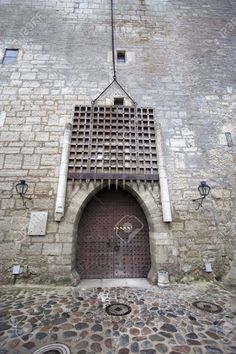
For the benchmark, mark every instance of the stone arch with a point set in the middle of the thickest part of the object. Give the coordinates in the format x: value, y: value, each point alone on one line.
x: 148, y: 199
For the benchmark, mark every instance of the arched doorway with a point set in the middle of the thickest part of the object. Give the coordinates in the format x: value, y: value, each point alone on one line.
x: 113, y: 237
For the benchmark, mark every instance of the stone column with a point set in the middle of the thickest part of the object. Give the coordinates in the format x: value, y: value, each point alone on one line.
x: 165, y: 197
x: 61, y: 189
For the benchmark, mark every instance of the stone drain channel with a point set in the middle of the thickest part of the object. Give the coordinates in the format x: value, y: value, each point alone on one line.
x: 198, y: 318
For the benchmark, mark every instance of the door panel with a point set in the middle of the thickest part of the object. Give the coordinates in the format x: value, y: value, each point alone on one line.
x: 113, y: 240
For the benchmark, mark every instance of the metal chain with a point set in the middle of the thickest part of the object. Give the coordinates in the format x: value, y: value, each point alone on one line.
x: 114, y: 63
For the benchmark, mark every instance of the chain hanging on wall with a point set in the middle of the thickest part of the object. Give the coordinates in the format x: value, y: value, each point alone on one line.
x: 114, y: 81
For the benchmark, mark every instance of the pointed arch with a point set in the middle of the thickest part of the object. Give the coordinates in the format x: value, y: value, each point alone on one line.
x: 161, y: 245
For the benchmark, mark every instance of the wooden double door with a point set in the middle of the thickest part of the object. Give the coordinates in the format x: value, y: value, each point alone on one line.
x: 113, y: 238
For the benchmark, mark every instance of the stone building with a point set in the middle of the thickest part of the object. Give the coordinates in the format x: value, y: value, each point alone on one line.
x: 121, y: 217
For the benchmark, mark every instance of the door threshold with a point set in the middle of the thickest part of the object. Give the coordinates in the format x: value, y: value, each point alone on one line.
x: 113, y: 283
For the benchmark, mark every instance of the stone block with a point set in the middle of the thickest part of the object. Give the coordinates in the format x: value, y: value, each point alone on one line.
x: 66, y: 228
x: 10, y: 136
x: 26, y: 91
x: 32, y: 249
x: 176, y: 226
x: 64, y: 238
x: 67, y: 249
x: 7, y: 250
x: 41, y: 136
x: 49, y: 238
x: 28, y: 76
x: 50, y: 160
x: 178, y: 142
x: 161, y: 238
x: 31, y: 161
x: 27, y: 136
x: 18, y: 223
x: 9, y: 91
x: 63, y: 260
x: 52, y: 227
x: 52, y: 249
x: 43, y: 188
x: 162, y: 255
x: 40, y: 203
x: 59, y: 269
x: 5, y: 224
x: 7, y: 203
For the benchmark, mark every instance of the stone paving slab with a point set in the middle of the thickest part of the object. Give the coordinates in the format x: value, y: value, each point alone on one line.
x: 162, y: 320
x: 114, y: 283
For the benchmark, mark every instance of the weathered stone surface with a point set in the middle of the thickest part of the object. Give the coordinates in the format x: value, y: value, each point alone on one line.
x: 168, y: 328
x: 41, y: 335
x: 182, y: 348
x: 29, y: 345
x: 193, y: 342
x: 156, y: 338
x: 108, y: 343
x: 68, y: 334
x: 134, y: 331
x: 134, y: 347
x: 82, y: 344
x: 192, y: 335
x: 4, y: 326
x: 124, y: 340
x: 161, y: 348
x: 96, y: 338
x: 166, y: 334
x: 97, y: 328
x: 123, y: 351
x: 146, y: 344
x: 194, y: 104
x: 212, y: 335
x: 96, y: 347
x: 38, y: 309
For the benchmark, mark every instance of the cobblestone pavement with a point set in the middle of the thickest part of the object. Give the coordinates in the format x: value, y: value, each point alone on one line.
x: 161, y: 320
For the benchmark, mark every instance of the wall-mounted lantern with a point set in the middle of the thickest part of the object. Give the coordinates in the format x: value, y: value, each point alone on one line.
x: 204, y: 190
x: 21, y: 189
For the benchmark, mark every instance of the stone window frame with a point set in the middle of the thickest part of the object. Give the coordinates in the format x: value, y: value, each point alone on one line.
x: 6, y: 56
x: 119, y: 101
x: 121, y: 56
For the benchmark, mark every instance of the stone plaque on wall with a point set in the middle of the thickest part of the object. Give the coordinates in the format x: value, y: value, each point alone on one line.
x: 38, y: 223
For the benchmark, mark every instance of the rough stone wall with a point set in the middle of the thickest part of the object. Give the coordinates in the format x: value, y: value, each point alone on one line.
x: 180, y: 60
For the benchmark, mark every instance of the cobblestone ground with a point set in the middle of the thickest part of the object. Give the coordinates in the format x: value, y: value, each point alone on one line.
x: 161, y: 320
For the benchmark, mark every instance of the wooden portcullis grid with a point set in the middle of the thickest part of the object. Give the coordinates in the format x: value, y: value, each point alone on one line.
x: 113, y: 143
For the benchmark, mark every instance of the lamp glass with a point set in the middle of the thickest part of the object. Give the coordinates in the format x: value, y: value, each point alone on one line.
x: 204, y: 189
x: 21, y: 187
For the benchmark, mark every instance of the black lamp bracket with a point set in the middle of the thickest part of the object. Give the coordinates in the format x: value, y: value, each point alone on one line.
x: 200, y: 201
x: 21, y: 188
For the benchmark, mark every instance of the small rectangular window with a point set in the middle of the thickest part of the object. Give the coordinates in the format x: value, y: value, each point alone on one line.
x: 10, y: 56
x: 120, y: 56
x: 118, y: 101
x: 229, y: 139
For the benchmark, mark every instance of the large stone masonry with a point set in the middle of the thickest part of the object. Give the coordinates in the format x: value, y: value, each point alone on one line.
x: 180, y: 61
